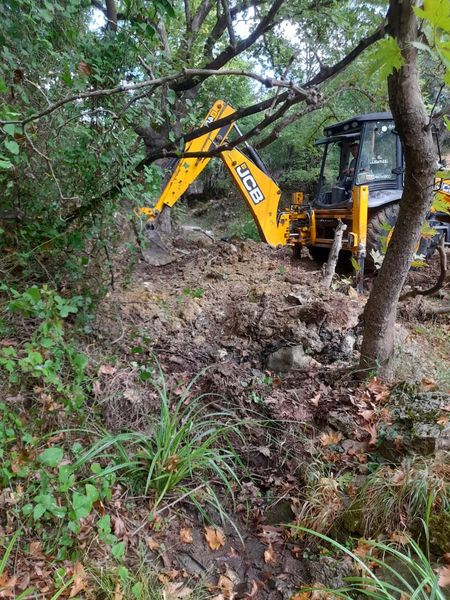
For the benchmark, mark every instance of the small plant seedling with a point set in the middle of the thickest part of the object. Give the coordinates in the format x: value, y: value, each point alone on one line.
x: 194, y: 292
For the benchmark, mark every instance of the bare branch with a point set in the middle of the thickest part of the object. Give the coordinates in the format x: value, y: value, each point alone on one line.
x: 170, y: 149
x: 231, y: 52
x: 441, y: 279
x: 327, y: 73
x: 226, y: 11
x: 155, y: 83
x: 221, y: 24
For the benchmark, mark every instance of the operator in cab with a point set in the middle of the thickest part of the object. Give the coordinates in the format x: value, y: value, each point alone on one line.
x: 364, y: 162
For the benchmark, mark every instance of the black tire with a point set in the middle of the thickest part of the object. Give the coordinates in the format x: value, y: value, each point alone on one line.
x: 379, y: 227
x: 318, y: 254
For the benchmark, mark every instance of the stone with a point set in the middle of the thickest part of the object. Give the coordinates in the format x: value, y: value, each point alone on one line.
x: 343, y: 422
x: 290, y: 358
x: 293, y: 298
x: 439, y: 532
x: 330, y: 571
x: 348, y: 345
x: 189, y: 310
x: 196, y: 235
x: 414, y: 428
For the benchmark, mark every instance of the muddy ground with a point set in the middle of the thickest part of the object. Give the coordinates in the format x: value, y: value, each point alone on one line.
x: 224, y: 308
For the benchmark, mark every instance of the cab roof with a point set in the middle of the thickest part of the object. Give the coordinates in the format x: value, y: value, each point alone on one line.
x: 355, y: 123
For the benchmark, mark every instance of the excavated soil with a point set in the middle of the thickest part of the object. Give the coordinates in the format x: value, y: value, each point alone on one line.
x: 222, y: 310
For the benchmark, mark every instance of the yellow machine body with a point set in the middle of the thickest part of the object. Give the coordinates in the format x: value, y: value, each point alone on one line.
x: 295, y: 226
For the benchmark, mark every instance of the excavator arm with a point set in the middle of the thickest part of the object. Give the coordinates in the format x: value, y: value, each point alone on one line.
x: 256, y: 187
x: 188, y: 169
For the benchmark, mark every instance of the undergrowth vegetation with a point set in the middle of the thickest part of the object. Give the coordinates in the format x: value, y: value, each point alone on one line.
x: 383, y: 571
x: 188, y: 444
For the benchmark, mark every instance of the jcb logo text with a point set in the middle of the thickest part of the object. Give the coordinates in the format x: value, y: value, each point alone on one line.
x: 249, y: 183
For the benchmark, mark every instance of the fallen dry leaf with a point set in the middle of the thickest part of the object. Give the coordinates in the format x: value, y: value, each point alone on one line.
x: 428, y: 385
x: 119, y: 527
x: 214, y: 537
x: 254, y: 590
x: 379, y: 391
x: 176, y: 591
x: 442, y: 420
x: 226, y: 586
x: 330, y: 438
x: 444, y: 576
x: 186, y: 535
x: 79, y: 580
x: 302, y: 596
x: 315, y: 399
x: 7, y: 585
x: 118, y: 594
x: 363, y: 549
x: 35, y: 550
x: 264, y: 451
x: 106, y: 370
x: 152, y: 544
x: 367, y: 414
x: 401, y: 537
x: 372, y: 431
x: 269, y: 556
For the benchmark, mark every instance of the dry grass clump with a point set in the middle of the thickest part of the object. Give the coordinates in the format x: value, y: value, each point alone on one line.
x: 399, y: 496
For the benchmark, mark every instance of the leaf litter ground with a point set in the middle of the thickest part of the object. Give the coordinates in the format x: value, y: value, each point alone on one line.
x: 224, y: 309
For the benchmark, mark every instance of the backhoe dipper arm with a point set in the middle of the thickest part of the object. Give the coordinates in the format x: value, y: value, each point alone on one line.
x: 258, y: 189
x: 261, y: 194
x: 188, y: 169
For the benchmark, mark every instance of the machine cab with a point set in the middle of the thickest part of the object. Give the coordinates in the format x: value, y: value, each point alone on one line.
x: 364, y: 150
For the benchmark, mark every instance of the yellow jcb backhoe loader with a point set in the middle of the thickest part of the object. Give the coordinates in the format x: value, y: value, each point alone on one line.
x: 360, y: 184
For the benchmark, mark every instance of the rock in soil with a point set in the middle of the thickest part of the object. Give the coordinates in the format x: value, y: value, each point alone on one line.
x: 289, y: 359
x: 419, y: 424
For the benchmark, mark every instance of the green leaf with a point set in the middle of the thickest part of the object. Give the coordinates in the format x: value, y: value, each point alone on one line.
x: 137, y: 589
x: 38, y: 511
x: 3, y: 86
x: 386, y: 57
x: 171, y: 97
x: 436, y: 12
x: 447, y: 77
x: 12, y: 146
x: 118, y: 550
x: 51, y: 457
x: 45, y: 14
x: 34, y: 358
x: 355, y: 264
x: 91, y: 493
x: 9, y: 128
x: 5, y: 164
x: 34, y: 293
x: 81, y: 505
x: 104, y: 523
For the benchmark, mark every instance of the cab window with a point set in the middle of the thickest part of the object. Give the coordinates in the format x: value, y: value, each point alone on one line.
x: 379, y: 152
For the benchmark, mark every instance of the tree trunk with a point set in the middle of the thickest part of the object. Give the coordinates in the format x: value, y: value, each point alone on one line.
x: 412, y: 123
x: 111, y: 15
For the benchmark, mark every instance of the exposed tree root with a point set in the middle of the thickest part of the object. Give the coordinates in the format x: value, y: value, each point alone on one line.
x: 439, y: 283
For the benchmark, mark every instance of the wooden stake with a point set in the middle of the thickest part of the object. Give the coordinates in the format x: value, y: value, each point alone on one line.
x: 330, y: 266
